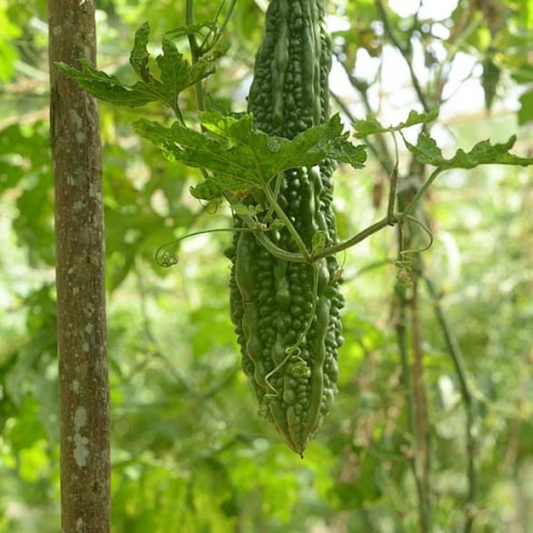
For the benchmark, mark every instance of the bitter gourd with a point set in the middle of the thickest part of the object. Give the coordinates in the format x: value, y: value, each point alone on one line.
x: 287, y: 314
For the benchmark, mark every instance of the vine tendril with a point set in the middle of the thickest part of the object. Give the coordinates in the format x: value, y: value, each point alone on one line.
x: 300, y: 369
x: 166, y: 258
x: 407, y: 262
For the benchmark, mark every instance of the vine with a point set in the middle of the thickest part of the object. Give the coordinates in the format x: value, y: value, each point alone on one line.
x: 300, y: 367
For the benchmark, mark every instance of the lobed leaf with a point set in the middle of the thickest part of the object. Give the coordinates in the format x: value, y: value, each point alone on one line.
x: 426, y: 150
x: 109, y: 88
x: 371, y: 125
x: 368, y: 126
x: 176, y: 72
x: 415, y: 118
x: 139, y: 56
x: 176, y: 75
x: 483, y: 153
x: 243, y: 159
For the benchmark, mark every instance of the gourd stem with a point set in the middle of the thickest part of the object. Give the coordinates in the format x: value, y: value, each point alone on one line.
x: 276, y: 251
x: 374, y: 228
x: 393, y: 182
x: 288, y: 224
x: 277, y: 187
x: 220, y: 31
x: 204, y: 47
x: 195, y: 52
x: 423, y: 189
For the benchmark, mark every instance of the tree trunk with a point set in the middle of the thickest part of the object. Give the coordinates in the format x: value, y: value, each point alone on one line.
x: 83, y: 372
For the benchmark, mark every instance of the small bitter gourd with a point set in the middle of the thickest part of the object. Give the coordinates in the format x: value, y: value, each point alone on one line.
x: 287, y: 314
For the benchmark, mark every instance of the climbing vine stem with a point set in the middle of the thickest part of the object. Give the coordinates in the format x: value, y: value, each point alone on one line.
x: 288, y: 224
x: 293, y: 351
x: 412, y: 446
x: 469, y: 403
x: 195, y: 52
x: 422, y: 191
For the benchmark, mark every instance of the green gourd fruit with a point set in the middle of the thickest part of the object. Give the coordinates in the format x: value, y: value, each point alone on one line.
x: 287, y: 314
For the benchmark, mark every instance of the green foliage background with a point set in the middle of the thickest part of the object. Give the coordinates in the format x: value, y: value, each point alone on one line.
x: 189, y: 452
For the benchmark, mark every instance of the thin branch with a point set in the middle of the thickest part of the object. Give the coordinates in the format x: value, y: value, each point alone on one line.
x: 406, y: 54
x: 421, y: 191
x: 393, y: 183
x: 222, y: 28
x: 374, y: 228
x: 401, y: 335
x: 204, y: 47
x: 383, y: 153
x: 422, y: 424
x: 469, y: 404
x: 195, y: 53
x: 288, y: 224
x: 414, y: 374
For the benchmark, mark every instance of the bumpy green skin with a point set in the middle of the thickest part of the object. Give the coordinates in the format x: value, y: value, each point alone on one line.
x: 272, y: 300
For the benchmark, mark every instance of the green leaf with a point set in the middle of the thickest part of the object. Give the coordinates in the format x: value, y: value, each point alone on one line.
x: 247, y: 210
x: 277, y: 223
x: 307, y: 148
x: 201, y: 150
x: 174, y: 71
x: 426, y: 151
x: 211, y: 189
x: 318, y: 242
x: 490, y: 80
x: 176, y: 75
x: 9, y: 52
x: 139, y: 56
x: 525, y: 113
x: 483, y: 153
x: 371, y: 125
x: 345, y: 152
x: 242, y: 158
x: 416, y: 118
x: 109, y: 88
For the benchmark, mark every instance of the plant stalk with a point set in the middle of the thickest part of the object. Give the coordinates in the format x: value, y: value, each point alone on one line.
x: 469, y: 405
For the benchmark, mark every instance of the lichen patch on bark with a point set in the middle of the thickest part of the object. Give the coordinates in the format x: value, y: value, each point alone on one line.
x: 81, y: 449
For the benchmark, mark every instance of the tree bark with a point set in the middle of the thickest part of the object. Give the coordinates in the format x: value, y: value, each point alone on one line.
x: 80, y: 277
